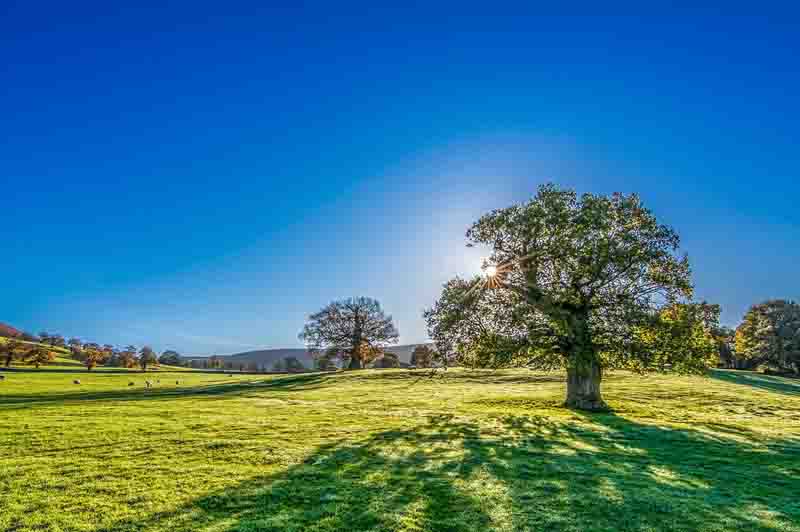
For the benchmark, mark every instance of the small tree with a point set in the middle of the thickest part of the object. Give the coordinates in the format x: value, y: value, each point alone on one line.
x: 170, y: 358
x: 147, y: 357
x: 279, y: 365
x: 353, y: 328
x: 11, y: 349
x: 39, y: 355
x: 571, y: 282
x: 422, y: 356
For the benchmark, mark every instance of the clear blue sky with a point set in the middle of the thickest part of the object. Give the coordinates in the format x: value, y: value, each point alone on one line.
x: 201, y: 178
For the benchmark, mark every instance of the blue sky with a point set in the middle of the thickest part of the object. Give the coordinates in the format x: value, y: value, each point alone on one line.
x: 201, y: 178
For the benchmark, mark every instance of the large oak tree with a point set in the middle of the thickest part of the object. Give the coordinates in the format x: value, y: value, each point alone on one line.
x: 352, y: 328
x: 576, y: 282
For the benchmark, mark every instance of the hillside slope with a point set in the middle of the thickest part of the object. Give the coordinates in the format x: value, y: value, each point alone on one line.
x: 267, y: 357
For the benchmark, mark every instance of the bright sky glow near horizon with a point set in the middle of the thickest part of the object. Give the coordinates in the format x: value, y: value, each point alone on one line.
x: 201, y: 180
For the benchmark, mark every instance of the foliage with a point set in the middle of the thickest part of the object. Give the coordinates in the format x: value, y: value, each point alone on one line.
x: 422, y: 356
x: 770, y: 334
x: 147, y: 357
x: 325, y: 361
x: 387, y: 360
x: 681, y: 339
x: 577, y: 280
x: 38, y: 355
x: 170, y: 358
x: 354, y: 328
x: 92, y: 357
x: 11, y: 349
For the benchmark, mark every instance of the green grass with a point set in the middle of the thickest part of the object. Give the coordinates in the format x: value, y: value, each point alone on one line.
x: 394, y: 450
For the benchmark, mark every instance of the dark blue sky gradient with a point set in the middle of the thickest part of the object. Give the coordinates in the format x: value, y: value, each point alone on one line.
x: 201, y: 178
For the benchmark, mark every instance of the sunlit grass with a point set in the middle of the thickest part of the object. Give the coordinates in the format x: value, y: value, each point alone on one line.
x: 396, y: 450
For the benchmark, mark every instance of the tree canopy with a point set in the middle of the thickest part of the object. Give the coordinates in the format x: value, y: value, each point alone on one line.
x: 573, y: 282
x: 353, y: 328
x: 770, y: 335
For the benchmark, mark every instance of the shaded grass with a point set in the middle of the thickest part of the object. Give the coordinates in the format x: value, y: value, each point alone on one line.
x: 386, y: 450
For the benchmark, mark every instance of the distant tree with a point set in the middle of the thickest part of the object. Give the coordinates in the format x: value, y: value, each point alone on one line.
x: 28, y: 337
x: 75, y: 345
x: 770, y: 335
x: 93, y: 357
x: 39, y: 355
x: 128, y: 358
x: 170, y: 358
x: 147, y: 357
x: 353, y: 327
x: 325, y: 361
x: 279, y: 365
x: 44, y: 337
x: 387, y: 360
x: 293, y: 365
x: 11, y: 349
x: 56, y: 340
x: 570, y: 282
x: 422, y: 356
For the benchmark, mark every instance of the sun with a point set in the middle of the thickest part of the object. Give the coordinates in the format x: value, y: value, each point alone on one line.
x: 490, y: 271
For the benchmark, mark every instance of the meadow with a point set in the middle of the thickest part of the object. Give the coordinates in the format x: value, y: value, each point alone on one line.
x: 385, y: 450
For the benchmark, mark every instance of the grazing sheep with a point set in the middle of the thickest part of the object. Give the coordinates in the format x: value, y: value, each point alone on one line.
x: 177, y: 382
x: 158, y: 381
x: 2, y: 377
x: 148, y: 384
x: 76, y: 381
x: 131, y: 383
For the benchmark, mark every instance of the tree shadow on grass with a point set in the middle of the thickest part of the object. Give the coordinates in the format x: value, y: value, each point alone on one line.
x: 600, y: 472
x: 759, y: 380
x: 166, y: 391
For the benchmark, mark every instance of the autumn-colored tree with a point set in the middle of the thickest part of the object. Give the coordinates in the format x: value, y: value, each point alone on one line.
x: 39, y: 355
x: 147, y: 357
x: 422, y: 356
x: 92, y: 357
x: 569, y: 283
x: 127, y: 357
x: 11, y: 349
x: 354, y: 328
x: 770, y: 335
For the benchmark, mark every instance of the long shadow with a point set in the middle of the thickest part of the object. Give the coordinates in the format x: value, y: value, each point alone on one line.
x: 759, y: 380
x: 605, y: 473
x: 166, y: 391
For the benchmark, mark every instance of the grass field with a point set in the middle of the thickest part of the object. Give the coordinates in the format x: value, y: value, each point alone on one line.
x: 394, y: 450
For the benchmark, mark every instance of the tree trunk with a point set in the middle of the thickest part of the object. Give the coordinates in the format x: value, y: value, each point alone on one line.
x: 355, y: 362
x: 583, y: 386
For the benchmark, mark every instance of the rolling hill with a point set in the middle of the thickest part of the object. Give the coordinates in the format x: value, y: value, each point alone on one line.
x: 267, y: 357
x: 8, y: 331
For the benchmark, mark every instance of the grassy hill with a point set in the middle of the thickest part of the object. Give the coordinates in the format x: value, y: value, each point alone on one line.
x: 394, y: 450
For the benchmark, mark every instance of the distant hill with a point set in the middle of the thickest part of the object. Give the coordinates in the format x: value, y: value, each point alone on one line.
x: 268, y: 357
x: 8, y: 331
